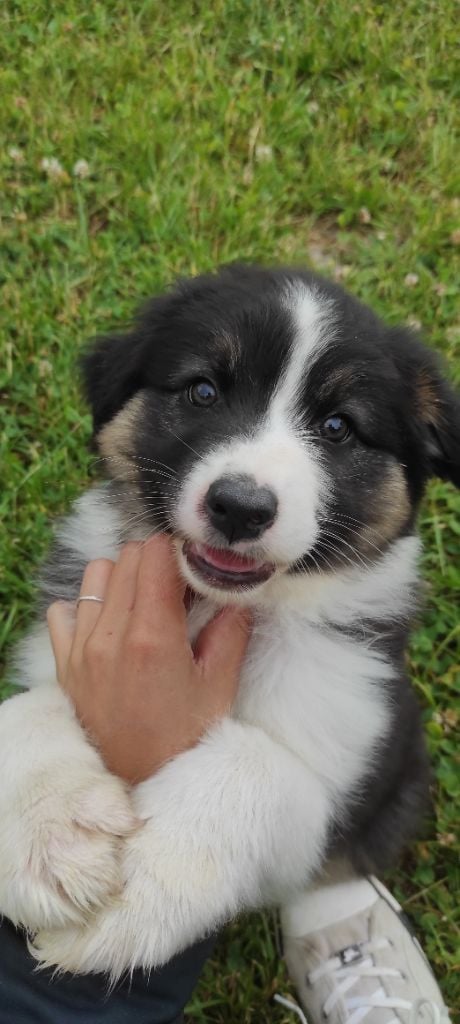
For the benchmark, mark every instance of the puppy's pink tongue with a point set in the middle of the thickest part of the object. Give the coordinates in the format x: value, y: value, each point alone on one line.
x: 223, y: 559
x: 224, y: 569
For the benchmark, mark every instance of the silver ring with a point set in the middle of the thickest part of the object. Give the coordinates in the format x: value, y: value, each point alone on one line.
x: 90, y: 597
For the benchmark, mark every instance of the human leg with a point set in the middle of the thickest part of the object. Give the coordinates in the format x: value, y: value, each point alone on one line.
x: 28, y: 996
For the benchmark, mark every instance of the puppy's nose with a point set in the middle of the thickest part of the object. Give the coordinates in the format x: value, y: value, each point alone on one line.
x: 240, y: 509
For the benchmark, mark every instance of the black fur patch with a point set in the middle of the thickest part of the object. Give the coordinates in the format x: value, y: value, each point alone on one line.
x: 385, y: 810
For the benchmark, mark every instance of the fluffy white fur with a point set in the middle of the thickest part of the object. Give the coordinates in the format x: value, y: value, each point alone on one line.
x: 242, y: 818
x: 314, y: 319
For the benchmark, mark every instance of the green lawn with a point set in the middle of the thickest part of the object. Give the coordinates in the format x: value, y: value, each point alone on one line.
x: 313, y: 132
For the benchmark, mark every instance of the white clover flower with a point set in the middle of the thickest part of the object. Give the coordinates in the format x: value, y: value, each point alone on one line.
x: 44, y: 368
x: 52, y: 168
x: 364, y: 215
x: 411, y: 280
x: 80, y: 169
x: 342, y: 271
x: 16, y: 155
x: 263, y: 153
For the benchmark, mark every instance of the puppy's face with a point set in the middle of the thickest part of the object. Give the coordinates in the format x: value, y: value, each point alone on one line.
x: 272, y: 424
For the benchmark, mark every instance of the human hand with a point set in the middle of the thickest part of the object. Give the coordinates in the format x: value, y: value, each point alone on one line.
x: 139, y: 690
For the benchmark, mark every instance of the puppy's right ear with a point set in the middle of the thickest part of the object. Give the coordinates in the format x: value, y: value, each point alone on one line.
x: 111, y: 370
x: 433, y: 404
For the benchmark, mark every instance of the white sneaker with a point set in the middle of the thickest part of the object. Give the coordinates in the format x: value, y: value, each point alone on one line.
x: 352, y: 956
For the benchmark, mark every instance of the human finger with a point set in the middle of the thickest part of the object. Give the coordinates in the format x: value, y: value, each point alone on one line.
x: 159, y: 604
x: 61, y: 625
x: 220, y: 651
x: 121, y: 590
x: 94, y: 584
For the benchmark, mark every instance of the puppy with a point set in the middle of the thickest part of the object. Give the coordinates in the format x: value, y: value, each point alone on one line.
x: 283, y: 435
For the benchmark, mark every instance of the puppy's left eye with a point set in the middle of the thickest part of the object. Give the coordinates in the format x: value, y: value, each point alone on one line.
x: 335, y: 428
x: 202, y: 392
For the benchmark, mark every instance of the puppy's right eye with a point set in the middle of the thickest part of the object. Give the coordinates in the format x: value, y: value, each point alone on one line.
x: 202, y: 392
x: 336, y: 428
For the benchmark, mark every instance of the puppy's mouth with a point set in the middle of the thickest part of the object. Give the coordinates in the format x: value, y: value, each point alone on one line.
x: 225, y: 569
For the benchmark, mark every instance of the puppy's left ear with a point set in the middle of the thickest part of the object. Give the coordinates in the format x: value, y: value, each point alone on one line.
x: 440, y: 408
x: 435, y: 404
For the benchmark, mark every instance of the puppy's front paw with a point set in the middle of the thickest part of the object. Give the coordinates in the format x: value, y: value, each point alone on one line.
x: 60, y: 844
x: 170, y: 899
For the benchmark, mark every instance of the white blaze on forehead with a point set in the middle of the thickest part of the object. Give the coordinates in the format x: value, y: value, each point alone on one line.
x: 277, y: 454
x: 313, y: 322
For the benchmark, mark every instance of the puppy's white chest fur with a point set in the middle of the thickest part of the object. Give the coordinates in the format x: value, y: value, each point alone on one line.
x: 312, y: 690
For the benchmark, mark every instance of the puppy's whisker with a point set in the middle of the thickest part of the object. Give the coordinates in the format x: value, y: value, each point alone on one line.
x: 359, y: 554
x: 341, y: 554
x: 306, y: 567
x: 126, y: 493
x: 337, y: 542
x: 134, y: 459
x: 153, y: 502
x: 140, y: 468
x: 340, y: 540
x: 342, y: 519
x: 185, y: 443
x: 352, y: 519
x: 140, y: 517
x: 141, y: 499
x: 323, y: 556
x: 350, y: 529
x: 323, y: 546
x: 320, y: 570
x: 155, y: 462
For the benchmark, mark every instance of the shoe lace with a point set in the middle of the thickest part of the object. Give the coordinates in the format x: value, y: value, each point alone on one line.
x: 346, y: 969
x: 288, y: 1003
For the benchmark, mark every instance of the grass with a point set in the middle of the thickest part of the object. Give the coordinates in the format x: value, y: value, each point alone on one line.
x: 314, y: 132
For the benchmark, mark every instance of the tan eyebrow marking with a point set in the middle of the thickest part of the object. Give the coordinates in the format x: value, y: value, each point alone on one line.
x: 228, y: 346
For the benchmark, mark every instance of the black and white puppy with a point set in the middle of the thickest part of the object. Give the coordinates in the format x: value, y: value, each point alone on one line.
x: 283, y: 435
